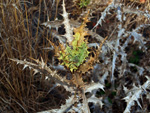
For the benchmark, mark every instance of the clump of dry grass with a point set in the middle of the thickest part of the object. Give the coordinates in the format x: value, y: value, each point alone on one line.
x: 21, y: 37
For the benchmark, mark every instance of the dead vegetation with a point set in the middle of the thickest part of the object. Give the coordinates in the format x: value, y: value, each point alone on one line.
x: 115, y: 78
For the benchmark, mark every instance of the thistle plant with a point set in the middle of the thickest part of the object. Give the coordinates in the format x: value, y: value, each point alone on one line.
x: 74, y: 56
x: 107, y: 66
x: 76, y: 53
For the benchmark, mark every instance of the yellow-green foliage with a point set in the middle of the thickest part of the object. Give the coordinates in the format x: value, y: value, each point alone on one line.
x: 84, y: 3
x: 75, y: 55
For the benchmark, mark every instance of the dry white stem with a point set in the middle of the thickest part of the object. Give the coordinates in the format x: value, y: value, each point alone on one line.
x: 42, y: 68
x: 134, y: 94
x: 69, y: 32
x: 93, y: 86
x: 64, y: 108
x: 85, y: 107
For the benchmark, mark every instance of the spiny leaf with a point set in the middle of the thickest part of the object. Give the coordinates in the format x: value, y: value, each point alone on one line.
x: 76, y: 53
